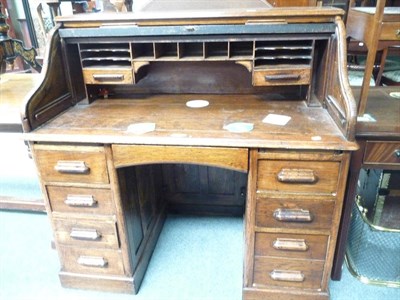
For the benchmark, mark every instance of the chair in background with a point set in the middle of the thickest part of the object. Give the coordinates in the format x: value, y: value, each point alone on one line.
x: 378, y: 28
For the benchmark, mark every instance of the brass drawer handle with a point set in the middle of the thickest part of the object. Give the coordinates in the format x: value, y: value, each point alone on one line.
x: 80, y: 200
x: 286, y: 275
x: 292, y: 215
x: 71, y: 167
x: 297, y: 176
x: 108, y: 77
x: 85, y: 234
x: 92, y: 261
x: 290, y: 244
x: 282, y: 77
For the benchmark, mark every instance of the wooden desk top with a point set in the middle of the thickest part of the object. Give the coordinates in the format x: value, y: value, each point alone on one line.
x: 13, y: 90
x: 384, y: 109
x: 107, y: 121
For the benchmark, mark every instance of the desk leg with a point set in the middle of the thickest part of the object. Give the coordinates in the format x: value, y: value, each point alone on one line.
x: 354, y: 172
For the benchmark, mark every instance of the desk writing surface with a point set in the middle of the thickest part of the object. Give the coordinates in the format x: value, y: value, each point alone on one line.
x: 107, y: 121
x: 13, y: 90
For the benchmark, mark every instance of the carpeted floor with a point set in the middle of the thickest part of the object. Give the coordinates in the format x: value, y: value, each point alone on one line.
x: 195, y: 258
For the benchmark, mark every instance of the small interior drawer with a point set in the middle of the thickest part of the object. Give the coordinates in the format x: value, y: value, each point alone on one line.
x: 71, y: 164
x: 86, y: 233
x: 301, y: 246
x: 91, y: 261
x: 287, y: 212
x: 108, y: 75
x: 282, y: 76
x: 382, y: 153
x: 298, y: 176
x: 80, y: 200
x: 288, y: 272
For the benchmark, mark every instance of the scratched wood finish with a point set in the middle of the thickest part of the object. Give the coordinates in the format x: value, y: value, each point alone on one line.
x: 107, y: 121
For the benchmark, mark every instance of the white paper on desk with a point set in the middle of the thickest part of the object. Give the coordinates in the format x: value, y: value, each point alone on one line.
x: 141, y: 128
x: 275, y: 119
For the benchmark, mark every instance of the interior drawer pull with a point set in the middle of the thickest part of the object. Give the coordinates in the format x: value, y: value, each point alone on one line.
x: 297, y: 176
x: 290, y: 244
x: 85, y: 234
x: 108, y: 77
x: 292, y: 215
x: 285, y: 275
x: 282, y: 77
x: 397, y: 153
x: 80, y: 200
x: 72, y: 167
x: 92, y: 261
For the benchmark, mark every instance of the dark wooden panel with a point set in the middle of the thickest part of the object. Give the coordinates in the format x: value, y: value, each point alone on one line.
x: 131, y: 209
x: 204, y: 189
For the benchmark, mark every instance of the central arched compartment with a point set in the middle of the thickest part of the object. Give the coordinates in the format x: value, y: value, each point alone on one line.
x: 179, y: 182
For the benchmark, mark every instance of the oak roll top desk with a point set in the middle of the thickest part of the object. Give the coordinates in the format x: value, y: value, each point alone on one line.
x: 118, y: 141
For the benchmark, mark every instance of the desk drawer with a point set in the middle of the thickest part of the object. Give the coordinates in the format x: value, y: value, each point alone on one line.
x: 300, y: 246
x: 80, y: 200
x: 390, y: 31
x: 91, y: 261
x: 382, y: 153
x: 86, y: 233
x: 282, y: 76
x: 108, y: 76
x: 312, y: 213
x: 288, y: 272
x: 71, y: 164
x: 298, y: 176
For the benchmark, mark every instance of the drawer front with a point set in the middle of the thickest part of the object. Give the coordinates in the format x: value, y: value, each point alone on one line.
x: 390, y: 31
x: 108, y: 76
x: 80, y: 165
x: 91, y: 261
x: 80, y: 200
x: 288, y: 272
x: 281, y: 76
x: 298, y: 176
x: 294, y: 213
x: 300, y: 246
x: 86, y: 233
x: 382, y: 153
